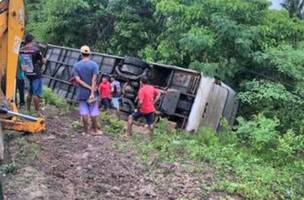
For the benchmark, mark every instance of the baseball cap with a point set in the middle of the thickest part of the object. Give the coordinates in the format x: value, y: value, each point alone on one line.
x: 85, y: 49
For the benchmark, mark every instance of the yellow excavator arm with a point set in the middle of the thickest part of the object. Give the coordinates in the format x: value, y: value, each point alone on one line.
x: 12, y: 23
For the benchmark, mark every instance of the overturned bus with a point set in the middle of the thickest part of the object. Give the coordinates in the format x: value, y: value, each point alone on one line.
x: 189, y: 99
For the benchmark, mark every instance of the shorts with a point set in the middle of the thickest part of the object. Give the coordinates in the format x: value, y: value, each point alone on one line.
x: 87, y: 109
x: 105, y: 103
x: 115, y: 102
x: 148, y: 116
x: 35, y: 87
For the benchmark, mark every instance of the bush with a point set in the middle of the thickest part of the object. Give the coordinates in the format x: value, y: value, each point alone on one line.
x: 53, y: 99
x: 258, y: 134
x: 262, y: 138
x: 249, y: 163
x: 207, y: 136
x: 290, y: 146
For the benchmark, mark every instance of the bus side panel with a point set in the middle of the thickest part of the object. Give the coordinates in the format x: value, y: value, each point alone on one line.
x: 199, y: 104
x: 231, y: 107
x: 215, y: 107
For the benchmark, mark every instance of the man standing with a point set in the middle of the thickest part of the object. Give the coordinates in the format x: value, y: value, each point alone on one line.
x: 105, y: 93
x: 147, y: 96
x: 116, y: 93
x: 85, y: 72
x: 20, y: 82
x: 32, y: 62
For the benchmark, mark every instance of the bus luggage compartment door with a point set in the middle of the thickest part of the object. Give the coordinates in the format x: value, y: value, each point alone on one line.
x: 170, y: 101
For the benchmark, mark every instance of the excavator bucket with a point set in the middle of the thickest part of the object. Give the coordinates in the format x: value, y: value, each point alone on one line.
x: 11, y: 119
x: 24, y: 126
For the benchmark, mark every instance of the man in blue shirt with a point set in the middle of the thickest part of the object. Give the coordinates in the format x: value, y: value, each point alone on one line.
x: 85, y: 72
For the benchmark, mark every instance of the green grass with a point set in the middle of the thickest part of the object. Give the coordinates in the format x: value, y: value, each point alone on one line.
x: 239, y: 169
x: 111, y: 125
x: 51, y: 98
x: 8, y: 168
x: 76, y: 125
x: 28, y: 151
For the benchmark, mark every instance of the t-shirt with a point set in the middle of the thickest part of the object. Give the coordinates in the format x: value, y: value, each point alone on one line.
x: 105, y: 90
x: 147, y: 95
x: 20, y: 72
x: 85, y: 70
x: 31, y: 61
x: 116, y: 89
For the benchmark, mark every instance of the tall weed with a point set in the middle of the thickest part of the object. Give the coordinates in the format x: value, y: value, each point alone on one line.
x: 51, y: 98
x: 248, y: 163
x: 259, y: 134
x: 112, y: 125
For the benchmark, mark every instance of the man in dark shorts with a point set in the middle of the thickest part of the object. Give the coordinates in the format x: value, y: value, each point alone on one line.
x: 32, y: 62
x: 105, y: 92
x: 147, y: 98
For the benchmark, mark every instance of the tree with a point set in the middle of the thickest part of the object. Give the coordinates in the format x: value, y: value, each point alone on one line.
x: 70, y: 22
x: 118, y: 27
x: 244, y: 43
x: 134, y: 26
x: 294, y: 7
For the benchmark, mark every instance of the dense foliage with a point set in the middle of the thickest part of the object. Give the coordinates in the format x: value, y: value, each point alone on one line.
x: 254, y: 162
x: 294, y: 7
x: 257, y: 51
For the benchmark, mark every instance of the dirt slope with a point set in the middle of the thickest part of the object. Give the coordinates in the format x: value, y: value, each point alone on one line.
x: 68, y: 165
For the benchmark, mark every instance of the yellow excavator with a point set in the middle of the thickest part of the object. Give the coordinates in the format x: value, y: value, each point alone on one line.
x: 12, y: 24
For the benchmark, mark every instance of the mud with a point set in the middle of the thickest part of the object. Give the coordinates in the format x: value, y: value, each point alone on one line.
x: 72, y: 166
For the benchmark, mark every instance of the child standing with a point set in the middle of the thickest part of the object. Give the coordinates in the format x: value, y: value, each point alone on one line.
x: 20, y: 82
x: 116, y: 92
x: 105, y: 93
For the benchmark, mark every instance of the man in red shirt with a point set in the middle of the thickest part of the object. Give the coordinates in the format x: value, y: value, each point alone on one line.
x: 105, y: 89
x: 147, y: 97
